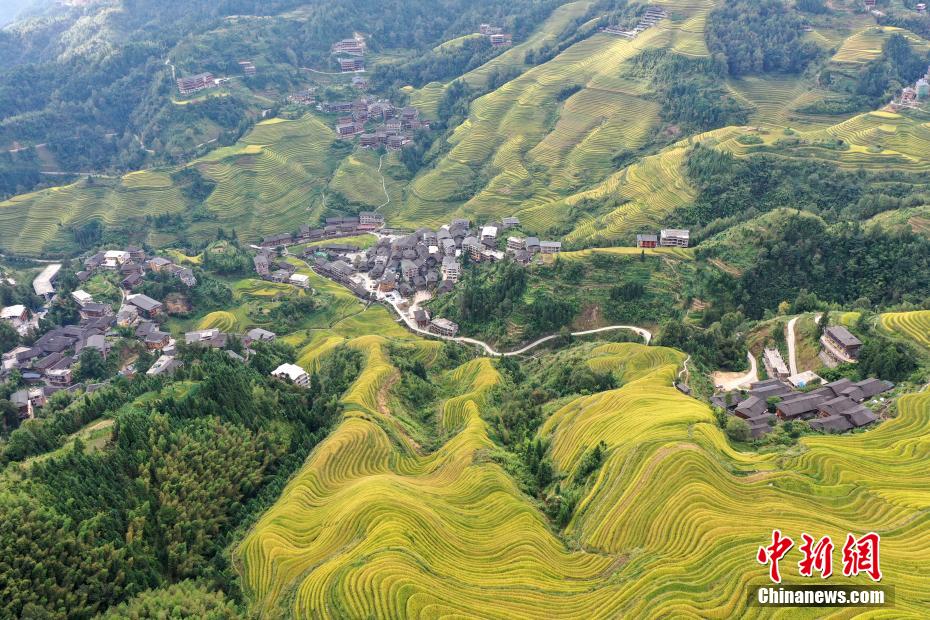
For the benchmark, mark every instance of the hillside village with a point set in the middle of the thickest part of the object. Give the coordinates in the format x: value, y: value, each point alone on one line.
x: 403, y: 270
x: 48, y: 365
x: 376, y: 122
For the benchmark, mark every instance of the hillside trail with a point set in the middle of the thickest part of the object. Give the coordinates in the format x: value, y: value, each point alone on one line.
x: 792, y: 343
x: 412, y: 326
x: 383, y: 186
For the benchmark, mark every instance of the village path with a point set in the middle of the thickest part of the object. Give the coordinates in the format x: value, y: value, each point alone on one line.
x: 792, y: 344
x: 728, y: 381
x: 387, y: 196
x: 412, y: 326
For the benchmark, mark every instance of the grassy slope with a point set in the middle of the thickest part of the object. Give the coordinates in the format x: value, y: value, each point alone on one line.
x: 669, y: 527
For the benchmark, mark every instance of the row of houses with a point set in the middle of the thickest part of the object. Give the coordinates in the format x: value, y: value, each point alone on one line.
x: 354, y: 46
x: 667, y: 238
x: 334, y: 227
x: 212, y: 339
x: 188, y: 85
x: 834, y: 407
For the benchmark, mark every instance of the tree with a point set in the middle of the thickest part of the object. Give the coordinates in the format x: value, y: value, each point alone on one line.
x: 9, y: 338
x: 737, y: 429
x: 91, y: 366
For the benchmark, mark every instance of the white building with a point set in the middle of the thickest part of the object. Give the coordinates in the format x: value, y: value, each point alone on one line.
x: 675, y: 237
x: 114, y: 258
x: 489, y: 233
x: 17, y: 315
x: 44, y: 285
x: 299, y: 279
x: 164, y: 364
x: 775, y: 364
x: 295, y: 373
x: 82, y: 297
x: 450, y: 269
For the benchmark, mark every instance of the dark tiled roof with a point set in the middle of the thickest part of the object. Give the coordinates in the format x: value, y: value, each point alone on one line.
x: 841, y: 335
x: 799, y: 406
x: 752, y: 407
x: 831, y: 424
x: 872, y: 387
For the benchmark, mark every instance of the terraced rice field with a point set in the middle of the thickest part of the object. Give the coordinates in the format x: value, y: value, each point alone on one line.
x: 866, y: 45
x: 644, y: 193
x: 521, y: 150
x: 914, y: 325
x: 669, y: 527
x: 267, y: 183
x: 678, y: 253
x: 221, y: 319
x: 40, y: 221
x: 776, y: 99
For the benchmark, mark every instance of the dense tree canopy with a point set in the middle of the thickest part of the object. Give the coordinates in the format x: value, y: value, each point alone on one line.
x: 759, y: 36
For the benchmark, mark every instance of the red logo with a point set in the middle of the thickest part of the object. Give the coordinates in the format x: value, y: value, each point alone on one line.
x: 773, y: 553
x: 816, y: 557
x: 859, y: 556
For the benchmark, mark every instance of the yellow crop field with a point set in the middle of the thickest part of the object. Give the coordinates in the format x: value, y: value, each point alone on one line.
x: 374, y: 527
x: 221, y: 319
x: 264, y: 185
x: 914, y: 325
x: 510, y: 131
x: 866, y: 45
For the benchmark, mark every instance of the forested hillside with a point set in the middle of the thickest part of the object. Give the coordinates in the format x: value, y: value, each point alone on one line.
x: 100, y: 78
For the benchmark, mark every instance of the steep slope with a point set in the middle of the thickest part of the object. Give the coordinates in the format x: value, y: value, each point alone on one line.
x: 521, y: 146
x: 669, y: 526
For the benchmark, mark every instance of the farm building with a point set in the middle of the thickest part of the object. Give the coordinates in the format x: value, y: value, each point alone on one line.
x: 43, y: 284
x: 193, y: 83
x: 443, y: 327
x: 775, y: 364
x: 647, y: 241
x: 839, y: 345
x: 293, y: 373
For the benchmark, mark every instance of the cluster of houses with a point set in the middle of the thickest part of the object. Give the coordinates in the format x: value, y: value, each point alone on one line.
x: 392, y: 127
x: 303, y: 97
x: 834, y: 407
x: 49, y: 363
x: 351, y: 54
x: 667, y: 238
x: 132, y: 264
x: 495, y: 35
x: 650, y: 18
x: 912, y: 96
x: 400, y: 267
